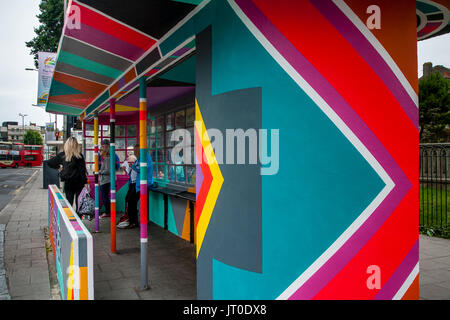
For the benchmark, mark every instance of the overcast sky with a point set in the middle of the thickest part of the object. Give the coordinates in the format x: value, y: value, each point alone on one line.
x: 18, y: 88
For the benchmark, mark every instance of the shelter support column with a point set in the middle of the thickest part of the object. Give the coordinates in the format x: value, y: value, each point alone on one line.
x: 83, y: 122
x: 96, y: 190
x: 143, y: 179
x: 112, y: 157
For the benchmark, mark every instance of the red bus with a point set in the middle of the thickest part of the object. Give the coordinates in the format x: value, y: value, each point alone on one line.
x: 11, y: 154
x: 33, y: 155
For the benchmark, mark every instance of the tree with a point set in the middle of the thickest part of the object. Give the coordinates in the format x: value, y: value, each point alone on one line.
x: 33, y: 137
x: 434, y: 107
x: 49, y: 32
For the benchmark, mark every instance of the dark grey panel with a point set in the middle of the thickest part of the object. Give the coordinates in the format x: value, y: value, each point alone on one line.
x: 152, y: 57
x: 234, y: 234
x: 179, y: 212
x: 82, y: 73
x: 88, y: 52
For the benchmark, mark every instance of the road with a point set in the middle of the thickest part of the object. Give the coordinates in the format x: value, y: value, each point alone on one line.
x: 10, y: 182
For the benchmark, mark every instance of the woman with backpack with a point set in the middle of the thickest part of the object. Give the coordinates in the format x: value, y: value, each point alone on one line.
x: 72, y: 170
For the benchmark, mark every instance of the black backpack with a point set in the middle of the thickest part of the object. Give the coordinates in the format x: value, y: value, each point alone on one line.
x: 74, y: 171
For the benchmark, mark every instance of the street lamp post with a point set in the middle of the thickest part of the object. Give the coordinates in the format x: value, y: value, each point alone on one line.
x: 23, y: 124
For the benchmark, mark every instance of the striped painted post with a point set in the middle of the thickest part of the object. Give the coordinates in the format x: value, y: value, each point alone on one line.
x: 112, y: 157
x: 143, y: 178
x: 96, y: 190
x: 84, y: 137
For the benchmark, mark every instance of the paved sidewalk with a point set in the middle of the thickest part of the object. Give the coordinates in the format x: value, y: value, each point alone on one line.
x: 25, y: 252
x: 171, y: 270
x: 172, y: 265
x: 434, y: 268
x: 116, y: 276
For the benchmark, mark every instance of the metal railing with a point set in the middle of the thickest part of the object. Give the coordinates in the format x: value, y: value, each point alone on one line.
x: 434, y: 188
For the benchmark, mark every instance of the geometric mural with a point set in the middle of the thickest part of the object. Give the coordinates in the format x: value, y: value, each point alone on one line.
x: 339, y: 218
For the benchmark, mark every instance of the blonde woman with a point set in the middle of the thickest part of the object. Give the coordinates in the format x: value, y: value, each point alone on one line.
x: 72, y: 170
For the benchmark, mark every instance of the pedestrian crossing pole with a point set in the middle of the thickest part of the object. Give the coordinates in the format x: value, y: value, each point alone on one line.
x: 96, y: 191
x: 143, y: 179
x: 112, y: 158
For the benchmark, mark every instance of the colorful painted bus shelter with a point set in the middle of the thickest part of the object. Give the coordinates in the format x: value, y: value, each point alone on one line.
x: 330, y: 208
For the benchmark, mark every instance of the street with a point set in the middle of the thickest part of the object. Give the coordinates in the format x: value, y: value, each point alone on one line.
x: 10, y: 182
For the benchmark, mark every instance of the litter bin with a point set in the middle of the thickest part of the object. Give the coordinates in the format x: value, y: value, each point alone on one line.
x: 51, y: 176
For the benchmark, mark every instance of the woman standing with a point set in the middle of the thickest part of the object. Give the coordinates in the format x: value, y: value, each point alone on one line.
x: 104, y: 176
x: 72, y: 170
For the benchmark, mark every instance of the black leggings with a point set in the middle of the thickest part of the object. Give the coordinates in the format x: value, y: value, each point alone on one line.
x: 131, y: 200
x: 70, y: 195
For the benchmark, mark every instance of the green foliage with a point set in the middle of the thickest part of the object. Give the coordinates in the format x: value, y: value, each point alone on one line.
x: 49, y: 32
x: 434, y: 108
x: 33, y: 137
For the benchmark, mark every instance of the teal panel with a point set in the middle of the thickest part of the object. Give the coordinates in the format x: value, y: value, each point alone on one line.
x: 184, y: 72
x: 98, y: 102
x: 196, y: 2
x: 63, y: 109
x: 80, y: 62
x: 61, y: 89
x: 156, y: 208
x: 171, y: 225
x: 426, y: 8
x: 120, y: 198
x: 200, y: 21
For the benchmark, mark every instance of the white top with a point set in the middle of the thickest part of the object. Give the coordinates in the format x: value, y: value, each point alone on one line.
x: 132, y: 173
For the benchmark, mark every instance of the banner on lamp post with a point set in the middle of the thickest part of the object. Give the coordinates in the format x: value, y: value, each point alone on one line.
x: 47, y: 61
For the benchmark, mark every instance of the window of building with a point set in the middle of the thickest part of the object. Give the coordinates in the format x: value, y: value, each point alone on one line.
x: 161, y: 128
x: 126, y: 137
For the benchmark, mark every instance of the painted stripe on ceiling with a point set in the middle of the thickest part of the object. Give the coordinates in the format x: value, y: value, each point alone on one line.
x: 115, y: 20
x: 82, y: 63
x: 152, y: 57
x: 106, y: 42
x: 113, y: 27
x: 83, y: 73
x: 59, y: 88
x: 98, y: 102
x: 89, y: 52
x: 63, y: 109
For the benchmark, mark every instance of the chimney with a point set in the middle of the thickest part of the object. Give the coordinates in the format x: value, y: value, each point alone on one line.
x: 427, y: 69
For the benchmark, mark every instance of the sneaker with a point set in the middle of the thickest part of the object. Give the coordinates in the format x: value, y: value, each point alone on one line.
x: 123, y: 224
x: 123, y: 218
x: 104, y: 216
x: 131, y: 226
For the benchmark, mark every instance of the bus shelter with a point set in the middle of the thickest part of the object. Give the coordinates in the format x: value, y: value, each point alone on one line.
x: 303, y: 179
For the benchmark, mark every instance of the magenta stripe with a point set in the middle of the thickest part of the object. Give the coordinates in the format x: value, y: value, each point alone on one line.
x: 182, y: 51
x: 144, y: 234
x: 400, y: 275
x: 359, y: 128
x: 130, y: 85
x: 106, y: 42
x: 360, y: 43
x: 429, y: 28
x: 199, y: 178
x: 121, y: 83
x: 76, y: 226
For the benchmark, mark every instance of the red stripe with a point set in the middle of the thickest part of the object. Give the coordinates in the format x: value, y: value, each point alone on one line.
x: 111, y: 27
x: 143, y: 115
x: 144, y: 208
x: 207, y: 181
x: 325, y: 48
